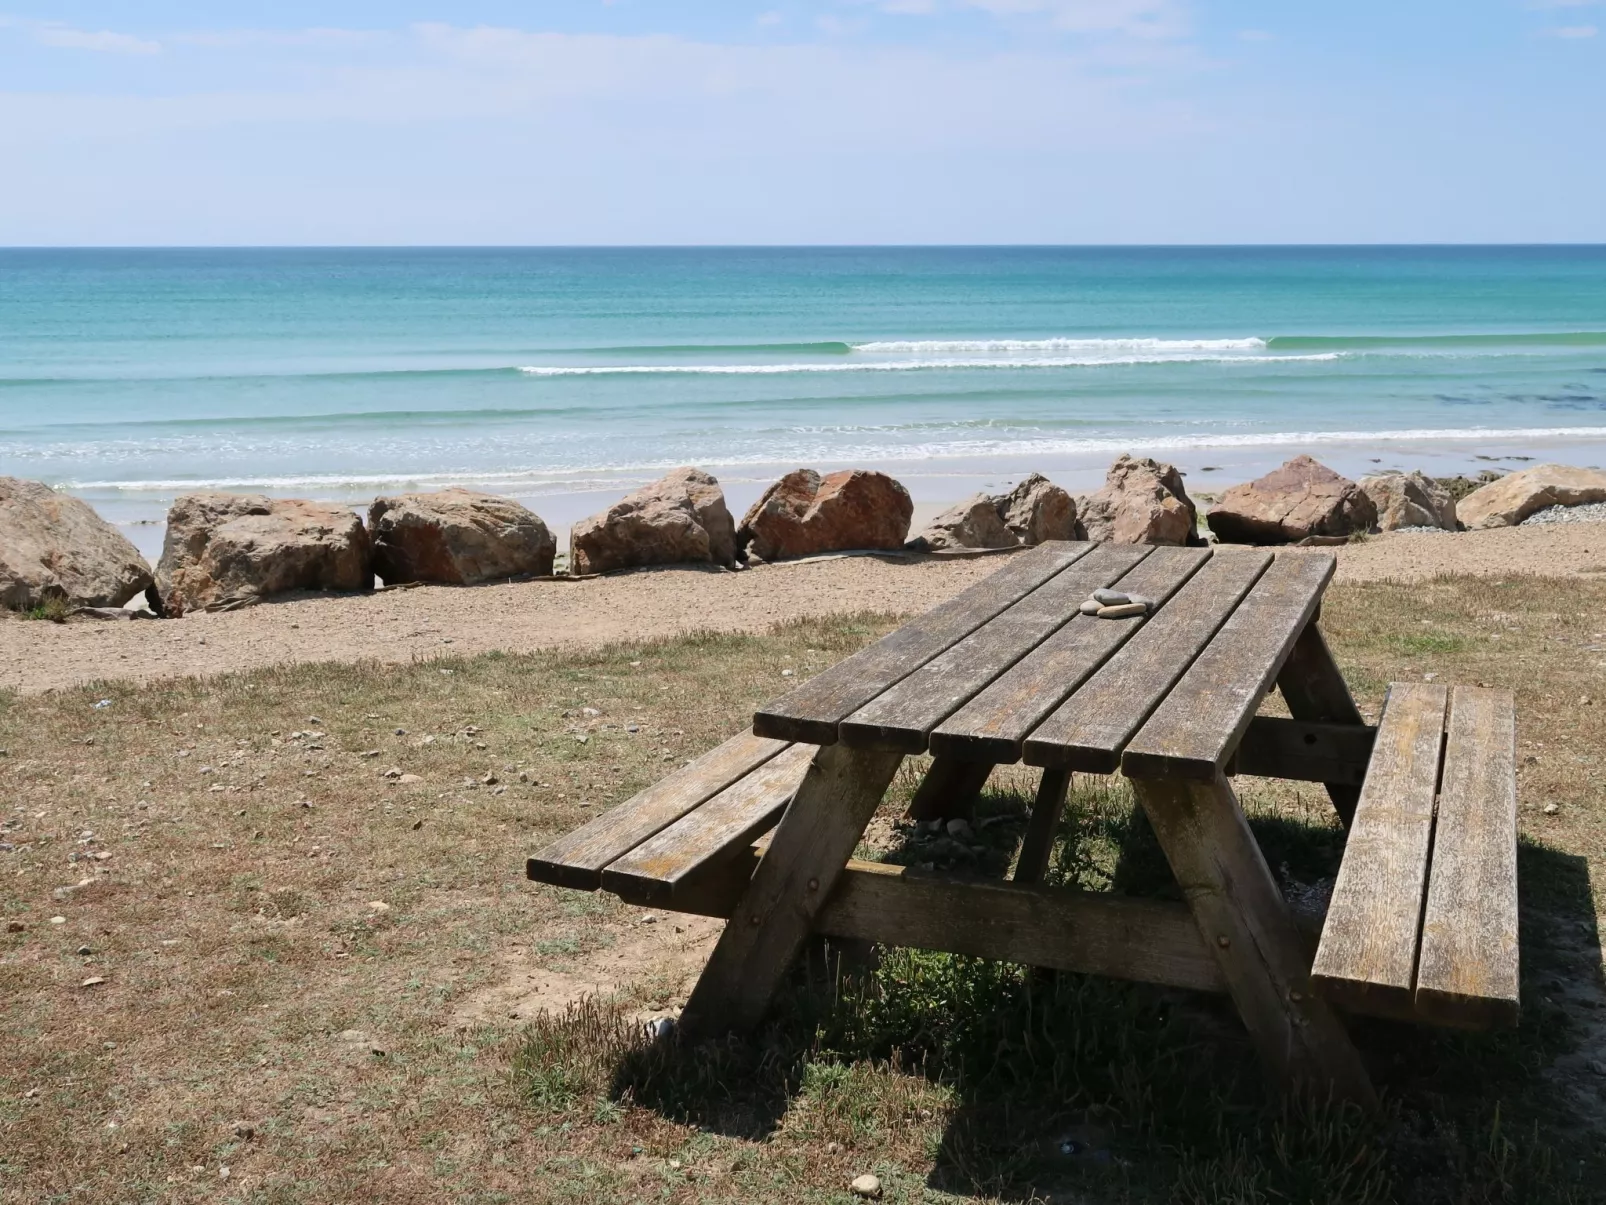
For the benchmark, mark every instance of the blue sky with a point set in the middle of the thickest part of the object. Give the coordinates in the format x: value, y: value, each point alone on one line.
x: 790, y: 121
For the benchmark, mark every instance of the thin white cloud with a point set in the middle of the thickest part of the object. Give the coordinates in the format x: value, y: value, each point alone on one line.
x: 1133, y: 18
x: 1571, y: 31
x: 65, y: 37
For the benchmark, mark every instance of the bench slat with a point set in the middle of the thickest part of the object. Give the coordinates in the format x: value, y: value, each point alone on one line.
x: 902, y: 716
x: 993, y: 725
x: 811, y: 712
x: 720, y: 829
x: 1367, y: 957
x: 1193, y: 732
x: 1467, y: 975
x: 1088, y: 730
x: 577, y: 859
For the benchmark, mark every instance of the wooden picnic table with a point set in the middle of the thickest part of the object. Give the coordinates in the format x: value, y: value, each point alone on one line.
x: 1010, y: 671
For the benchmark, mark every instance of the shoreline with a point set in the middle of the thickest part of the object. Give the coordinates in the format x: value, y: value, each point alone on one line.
x: 934, y: 484
x: 431, y: 622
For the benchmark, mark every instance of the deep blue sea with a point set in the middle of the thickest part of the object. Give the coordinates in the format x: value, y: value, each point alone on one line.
x: 564, y: 377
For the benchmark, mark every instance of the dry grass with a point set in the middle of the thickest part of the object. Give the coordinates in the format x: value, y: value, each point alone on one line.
x: 259, y: 1013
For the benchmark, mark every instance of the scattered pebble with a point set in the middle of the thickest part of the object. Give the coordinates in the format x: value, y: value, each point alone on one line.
x: 99, y: 703
x: 1090, y: 607
x: 786, y: 673
x: 1123, y: 610
x: 58, y: 920
x: 93, y: 981
x: 409, y: 779
x: 833, y: 1148
x: 1111, y: 598
x: 959, y: 829
x: 378, y: 906
x: 866, y: 1186
x: 1589, y: 512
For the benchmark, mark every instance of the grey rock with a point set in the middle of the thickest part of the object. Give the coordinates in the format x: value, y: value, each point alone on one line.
x: 1143, y: 502
x: 460, y: 537
x: 53, y: 545
x: 679, y: 519
x: 1410, y: 500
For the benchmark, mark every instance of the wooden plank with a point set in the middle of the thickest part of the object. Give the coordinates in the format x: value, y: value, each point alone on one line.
x: 1367, y: 957
x: 1198, y: 726
x: 949, y: 789
x: 1095, y: 933
x: 1314, y: 689
x: 811, y: 712
x: 902, y: 716
x: 1037, y: 846
x: 577, y: 859
x: 719, y: 829
x: 807, y: 852
x: 994, y: 724
x: 1245, y: 923
x: 1088, y: 730
x: 1468, y: 970
x: 1274, y: 747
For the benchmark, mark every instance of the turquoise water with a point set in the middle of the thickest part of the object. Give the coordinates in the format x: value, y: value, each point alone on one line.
x: 564, y: 376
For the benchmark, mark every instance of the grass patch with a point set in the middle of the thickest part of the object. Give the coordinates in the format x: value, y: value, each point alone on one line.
x: 260, y: 1012
x: 54, y: 609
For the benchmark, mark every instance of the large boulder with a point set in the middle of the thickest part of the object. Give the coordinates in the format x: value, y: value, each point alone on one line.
x: 1410, y: 500
x: 1034, y: 511
x: 677, y: 519
x: 228, y: 550
x: 1038, y: 510
x: 1143, y: 502
x: 973, y: 523
x: 55, y: 546
x: 1510, y: 500
x: 457, y: 536
x: 1294, y: 502
x: 804, y: 513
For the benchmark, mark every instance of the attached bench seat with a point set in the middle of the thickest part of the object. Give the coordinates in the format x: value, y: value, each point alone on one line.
x: 692, y: 842
x: 1423, y: 920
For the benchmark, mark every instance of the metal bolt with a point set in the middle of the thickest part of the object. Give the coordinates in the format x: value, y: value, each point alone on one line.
x: 753, y: 920
x: 1295, y: 996
x: 814, y: 884
x: 1223, y: 941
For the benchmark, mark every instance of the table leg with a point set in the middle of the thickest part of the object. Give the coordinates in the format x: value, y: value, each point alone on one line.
x: 1246, y: 924
x: 810, y: 847
x: 1314, y: 689
x: 1038, y: 843
x: 949, y: 789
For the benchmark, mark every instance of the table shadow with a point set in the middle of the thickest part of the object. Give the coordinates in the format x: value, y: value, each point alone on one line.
x: 1055, y: 1086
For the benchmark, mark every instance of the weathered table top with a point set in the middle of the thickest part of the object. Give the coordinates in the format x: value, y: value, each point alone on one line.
x: 1009, y: 670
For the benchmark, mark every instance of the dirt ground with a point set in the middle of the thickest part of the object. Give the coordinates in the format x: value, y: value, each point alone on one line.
x: 400, y: 626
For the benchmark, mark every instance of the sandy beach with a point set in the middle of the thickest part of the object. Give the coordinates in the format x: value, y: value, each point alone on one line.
x: 436, y: 621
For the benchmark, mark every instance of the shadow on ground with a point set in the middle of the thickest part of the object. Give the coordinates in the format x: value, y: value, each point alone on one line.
x: 1030, y: 1085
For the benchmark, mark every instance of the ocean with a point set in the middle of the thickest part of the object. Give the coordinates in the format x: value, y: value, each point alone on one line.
x: 565, y: 377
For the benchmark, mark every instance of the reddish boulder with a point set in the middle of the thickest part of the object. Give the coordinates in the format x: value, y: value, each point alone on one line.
x: 1143, y: 502
x: 228, y: 550
x: 804, y: 513
x: 1294, y: 502
x: 457, y: 536
x: 679, y: 519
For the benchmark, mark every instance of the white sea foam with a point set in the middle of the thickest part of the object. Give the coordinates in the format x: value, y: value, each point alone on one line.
x: 1111, y: 346
x: 1023, y: 362
x: 581, y: 478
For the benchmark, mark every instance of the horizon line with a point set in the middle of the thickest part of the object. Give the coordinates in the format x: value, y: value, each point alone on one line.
x: 821, y: 246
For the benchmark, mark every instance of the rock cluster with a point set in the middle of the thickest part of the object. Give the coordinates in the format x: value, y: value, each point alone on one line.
x: 680, y: 518
x: 229, y: 550
x: 1143, y: 502
x: 1511, y: 499
x: 458, y: 537
x: 53, y: 546
x: 805, y: 514
x: 1034, y: 511
x: 1410, y: 500
x: 1298, y: 501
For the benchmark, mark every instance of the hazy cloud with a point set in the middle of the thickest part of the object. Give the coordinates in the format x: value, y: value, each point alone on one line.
x: 1571, y: 31
x: 65, y: 37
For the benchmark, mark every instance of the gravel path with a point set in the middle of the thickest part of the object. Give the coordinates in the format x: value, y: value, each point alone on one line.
x: 404, y: 625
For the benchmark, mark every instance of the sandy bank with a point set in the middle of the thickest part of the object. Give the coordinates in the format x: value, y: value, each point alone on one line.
x: 431, y: 621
